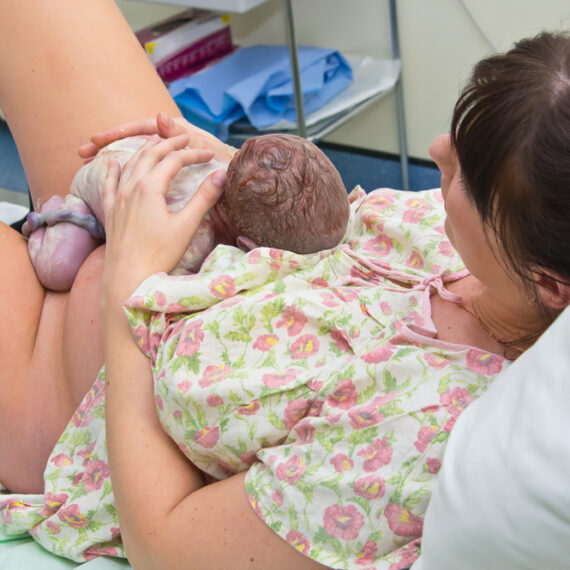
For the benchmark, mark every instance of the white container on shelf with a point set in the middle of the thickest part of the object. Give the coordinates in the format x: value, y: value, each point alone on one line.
x: 238, y: 6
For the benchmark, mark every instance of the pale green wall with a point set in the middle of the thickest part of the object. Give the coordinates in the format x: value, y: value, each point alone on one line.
x: 439, y: 43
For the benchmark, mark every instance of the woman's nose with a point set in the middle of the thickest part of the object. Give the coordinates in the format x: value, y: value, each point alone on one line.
x: 440, y: 151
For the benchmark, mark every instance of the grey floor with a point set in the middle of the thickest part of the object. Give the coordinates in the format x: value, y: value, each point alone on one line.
x: 370, y: 170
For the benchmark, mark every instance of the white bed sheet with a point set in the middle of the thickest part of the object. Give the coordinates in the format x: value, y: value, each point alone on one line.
x: 26, y: 554
x: 10, y: 213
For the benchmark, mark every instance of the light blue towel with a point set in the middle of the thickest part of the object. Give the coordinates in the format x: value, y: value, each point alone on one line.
x: 256, y: 82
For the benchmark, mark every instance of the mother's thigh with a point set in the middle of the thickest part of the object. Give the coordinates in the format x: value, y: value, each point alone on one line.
x: 34, y: 400
x: 78, y: 68
x: 21, y: 301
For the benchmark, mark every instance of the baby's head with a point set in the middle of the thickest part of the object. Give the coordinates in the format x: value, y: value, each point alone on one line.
x: 283, y: 192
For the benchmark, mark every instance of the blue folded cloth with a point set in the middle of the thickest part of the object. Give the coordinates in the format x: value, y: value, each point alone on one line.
x: 256, y: 82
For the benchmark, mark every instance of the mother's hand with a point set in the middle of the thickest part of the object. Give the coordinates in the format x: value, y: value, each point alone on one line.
x: 163, y: 125
x: 143, y: 235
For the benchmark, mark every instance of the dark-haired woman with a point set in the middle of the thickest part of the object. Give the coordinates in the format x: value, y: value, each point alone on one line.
x: 316, y: 391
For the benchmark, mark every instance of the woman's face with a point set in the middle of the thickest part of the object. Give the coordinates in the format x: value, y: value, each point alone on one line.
x: 463, y: 224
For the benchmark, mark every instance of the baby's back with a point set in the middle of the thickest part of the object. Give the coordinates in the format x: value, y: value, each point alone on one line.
x: 57, y: 250
x: 88, y: 185
x: 88, y: 182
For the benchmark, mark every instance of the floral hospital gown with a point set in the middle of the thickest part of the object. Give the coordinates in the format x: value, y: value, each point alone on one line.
x: 320, y: 374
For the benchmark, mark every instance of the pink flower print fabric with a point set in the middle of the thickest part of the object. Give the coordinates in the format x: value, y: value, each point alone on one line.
x: 320, y: 375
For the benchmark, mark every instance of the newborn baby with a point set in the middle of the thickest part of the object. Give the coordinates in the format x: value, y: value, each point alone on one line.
x: 281, y: 192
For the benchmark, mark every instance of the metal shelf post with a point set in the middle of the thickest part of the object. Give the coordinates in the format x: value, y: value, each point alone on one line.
x: 402, y: 138
x: 295, y: 71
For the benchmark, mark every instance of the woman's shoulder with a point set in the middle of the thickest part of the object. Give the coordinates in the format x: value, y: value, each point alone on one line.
x: 403, y: 228
x: 422, y: 208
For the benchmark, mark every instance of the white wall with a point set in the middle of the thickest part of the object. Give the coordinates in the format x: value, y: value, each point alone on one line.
x: 439, y: 41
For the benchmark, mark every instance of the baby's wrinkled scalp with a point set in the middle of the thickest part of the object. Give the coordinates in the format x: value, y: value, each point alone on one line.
x: 283, y: 192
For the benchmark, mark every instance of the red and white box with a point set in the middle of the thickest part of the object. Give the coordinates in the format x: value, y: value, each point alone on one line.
x: 187, y: 42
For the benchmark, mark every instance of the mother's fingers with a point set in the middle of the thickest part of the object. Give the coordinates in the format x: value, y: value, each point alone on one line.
x: 103, y: 138
x: 110, y: 186
x: 208, y: 193
x: 150, y: 153
x: 157, y: 177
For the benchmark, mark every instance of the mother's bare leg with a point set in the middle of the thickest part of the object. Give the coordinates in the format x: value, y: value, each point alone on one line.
x: 68, y: 69
x: 34, y: 402
x: 72, y: 67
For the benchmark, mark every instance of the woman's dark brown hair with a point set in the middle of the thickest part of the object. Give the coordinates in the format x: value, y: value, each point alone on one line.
x: 511, y: 133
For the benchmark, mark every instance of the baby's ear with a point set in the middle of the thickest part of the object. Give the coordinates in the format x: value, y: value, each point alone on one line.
x: 245, y: 244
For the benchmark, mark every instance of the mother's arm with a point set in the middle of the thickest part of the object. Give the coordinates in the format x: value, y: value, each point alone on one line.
x: 168, y: 518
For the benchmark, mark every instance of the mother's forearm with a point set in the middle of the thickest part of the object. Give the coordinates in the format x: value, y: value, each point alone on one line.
x: 150, y: 476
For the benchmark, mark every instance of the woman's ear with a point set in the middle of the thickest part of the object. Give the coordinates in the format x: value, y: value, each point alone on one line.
x: 553, y: 291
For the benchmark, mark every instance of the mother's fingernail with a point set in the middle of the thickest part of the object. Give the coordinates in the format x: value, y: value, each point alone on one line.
x: 165, y: 119
x: 219, y: 178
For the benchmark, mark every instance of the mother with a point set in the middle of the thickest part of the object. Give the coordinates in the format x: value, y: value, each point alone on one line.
x: 346, y: 478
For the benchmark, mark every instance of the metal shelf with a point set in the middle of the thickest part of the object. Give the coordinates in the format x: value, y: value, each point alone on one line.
x: 373, y: 79
x: 323, y: 128
x: 235, y: 6
x: 314, y: 132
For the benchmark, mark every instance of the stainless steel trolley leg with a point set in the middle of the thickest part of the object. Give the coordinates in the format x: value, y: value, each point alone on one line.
x: 291, y: 42
x: 399, y: 100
